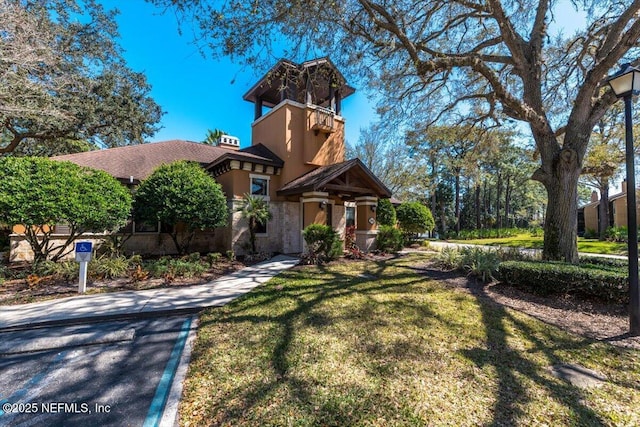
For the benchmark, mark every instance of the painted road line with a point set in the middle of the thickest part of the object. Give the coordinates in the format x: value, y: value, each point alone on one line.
x: 32, y: 383
x: 154, y: 415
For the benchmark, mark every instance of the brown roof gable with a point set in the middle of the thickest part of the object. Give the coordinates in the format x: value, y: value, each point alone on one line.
x: 139, y: 161
x: 320, y: 179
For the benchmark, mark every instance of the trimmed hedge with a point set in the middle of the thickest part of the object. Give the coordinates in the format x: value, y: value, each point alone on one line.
x: 548, y: 278
x: 389, y: 239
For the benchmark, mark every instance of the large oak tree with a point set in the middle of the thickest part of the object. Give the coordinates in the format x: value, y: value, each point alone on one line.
x: 490, y: 57
x: 62, y: 77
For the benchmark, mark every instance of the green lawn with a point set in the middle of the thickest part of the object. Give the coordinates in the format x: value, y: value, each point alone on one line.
x: 525, y: 240
x: 377, y: 344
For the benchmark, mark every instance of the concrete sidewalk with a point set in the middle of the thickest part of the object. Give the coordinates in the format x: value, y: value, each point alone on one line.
x: 439, y: 245
x: 140, y: 303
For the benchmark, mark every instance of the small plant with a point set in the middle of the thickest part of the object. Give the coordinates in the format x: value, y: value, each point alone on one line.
x: 135, y: 260
x: 4, y: 274
x: 617, y: 234
x: 350, y: 246
x: 590, y: 233
x: 231, y: 255
x: 139, y: 274
x: 514, y: 254
x: 448, y: 258
x: 213, y: 258
x: 194, y: 257
x: 257, y: 257
x: 480, y: 263
x: 170, y: 269
x: 104, y: 267
x: 65, y: 270
x: 389, y: 239
x: 323, y: 243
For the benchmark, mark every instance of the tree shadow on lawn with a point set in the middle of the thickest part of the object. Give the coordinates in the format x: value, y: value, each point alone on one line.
x: 325, y: 285
x: 321, y: 284
x: 511, y: 364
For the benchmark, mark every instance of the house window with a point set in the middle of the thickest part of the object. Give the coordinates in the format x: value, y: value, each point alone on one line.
x: 351, y: 216
x: 259, y: 185
x: 261, y: 228
x: 146, y: 227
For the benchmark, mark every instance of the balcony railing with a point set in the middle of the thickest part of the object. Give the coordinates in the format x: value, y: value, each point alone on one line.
x: 324, y: 120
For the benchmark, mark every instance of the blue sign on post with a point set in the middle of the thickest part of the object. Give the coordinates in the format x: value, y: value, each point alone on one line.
x: 83, y: 256
x: 84, y: 247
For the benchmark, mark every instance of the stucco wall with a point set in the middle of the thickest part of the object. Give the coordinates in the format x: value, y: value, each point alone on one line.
x: 142, y: 243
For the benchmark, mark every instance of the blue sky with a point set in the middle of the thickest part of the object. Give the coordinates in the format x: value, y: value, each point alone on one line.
x: 199, y: 93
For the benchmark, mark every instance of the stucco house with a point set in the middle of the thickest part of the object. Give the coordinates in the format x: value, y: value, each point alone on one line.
x: 296, y: 161
x: 588, y: 214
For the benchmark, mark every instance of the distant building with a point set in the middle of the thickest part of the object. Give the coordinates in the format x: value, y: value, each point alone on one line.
x: 589, y: 215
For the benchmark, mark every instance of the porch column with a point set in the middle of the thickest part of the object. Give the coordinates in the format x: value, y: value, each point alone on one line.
x: 314, y: 205
x: 314, y: 211
x: 366, y: 222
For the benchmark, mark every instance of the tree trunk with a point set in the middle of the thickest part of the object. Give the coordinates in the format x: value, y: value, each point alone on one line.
x: 561, y: 222
x: 477, y: 203
x: 443, y: 219
x: 498, y: 196
x: 507, y: 201
x: 457, y: 201
x: 603, y: 209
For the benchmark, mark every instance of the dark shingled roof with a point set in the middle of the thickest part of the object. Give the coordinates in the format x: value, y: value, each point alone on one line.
x: 318, y: 178
x: 257, y: 153
x: 139, y: 161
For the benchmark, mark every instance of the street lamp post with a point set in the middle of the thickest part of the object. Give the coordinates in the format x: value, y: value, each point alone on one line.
x: 626, y: 83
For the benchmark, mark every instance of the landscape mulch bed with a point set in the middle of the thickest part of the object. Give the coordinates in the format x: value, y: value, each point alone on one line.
x: 20, y: 291
x: 591, y: 319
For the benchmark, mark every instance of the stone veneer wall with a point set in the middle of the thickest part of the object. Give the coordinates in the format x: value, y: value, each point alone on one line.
x: 141, y: 243
x: 283, y: 231
x: 20, y: 250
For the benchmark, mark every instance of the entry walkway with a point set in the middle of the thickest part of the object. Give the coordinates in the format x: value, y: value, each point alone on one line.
x: 141, y: 303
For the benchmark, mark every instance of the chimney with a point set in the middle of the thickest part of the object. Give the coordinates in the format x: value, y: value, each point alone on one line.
x: 624, y: 186
x: 594, y: 196
x: 228, y: 142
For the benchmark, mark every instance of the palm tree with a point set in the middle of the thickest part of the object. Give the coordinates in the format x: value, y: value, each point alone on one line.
x: 212, y: 136
x: 256, y: 211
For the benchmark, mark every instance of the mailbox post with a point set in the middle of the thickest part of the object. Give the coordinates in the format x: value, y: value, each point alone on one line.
x: 83, y: 256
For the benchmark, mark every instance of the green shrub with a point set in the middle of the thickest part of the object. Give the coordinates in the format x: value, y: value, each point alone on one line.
x: 386, y: 213
x: 169, y: 268
x: 448, y: 258
x: 617, y: 234
x: 414, y: 218
x: 481, y: 263
x: 615, y: 263
x: 214, y: 258
x: 4, y: 274
x: 65, y: 270
x: 548, y: 278
x: 590, y: 233
x: 106, y: 267
x: 536, y: 231
x: 135, y: 261
x: 194, y: 257
x: 515, y: 254
x: 389, y: 239
x: 323, y: 243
